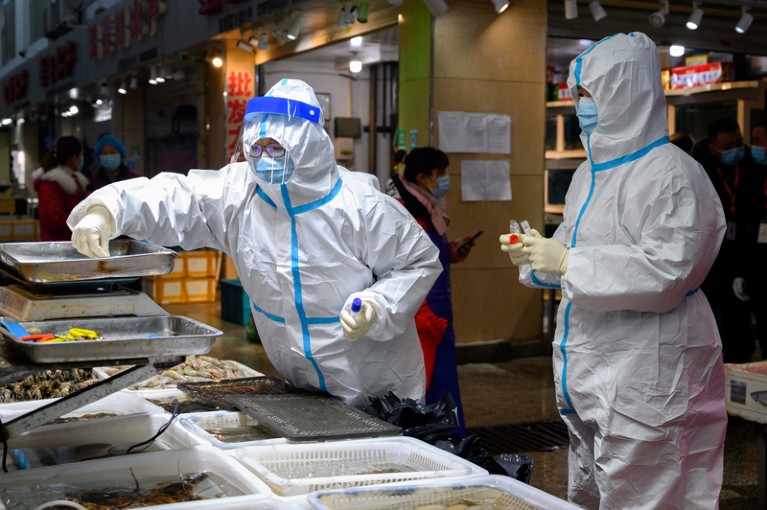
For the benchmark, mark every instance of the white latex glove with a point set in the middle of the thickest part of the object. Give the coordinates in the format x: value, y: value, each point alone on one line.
x: 738, y: 289
x: 357, y: 324
x: 546, y: 255
x: 91, y: 235
x: 516, y: 250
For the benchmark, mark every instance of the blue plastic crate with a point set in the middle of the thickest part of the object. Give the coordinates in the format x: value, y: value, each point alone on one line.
x: 235, y: 303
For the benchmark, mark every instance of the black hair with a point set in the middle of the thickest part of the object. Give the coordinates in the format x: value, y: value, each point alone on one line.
x: 424, y: 160
x: 683, y: 140
x: 66, y: 147
x: 722, y: 125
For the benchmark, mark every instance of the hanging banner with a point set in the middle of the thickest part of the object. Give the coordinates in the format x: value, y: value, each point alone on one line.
x: 240, y: 88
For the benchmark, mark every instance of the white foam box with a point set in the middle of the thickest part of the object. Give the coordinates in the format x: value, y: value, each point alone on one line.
x: 746, y: 390
x: 293, y: 469
x: 62, y: 443
x: 226, y: 484
x: 489, y: 491
x: 120, y: 403
x: 200, y: 424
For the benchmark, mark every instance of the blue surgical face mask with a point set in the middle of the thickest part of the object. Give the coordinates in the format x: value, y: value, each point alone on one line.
x: 587, y: 114
x: 758, y: 153
x: 272, y: 170
x: 443, y: 184
x: 734, y: 156
x: 110, y: 161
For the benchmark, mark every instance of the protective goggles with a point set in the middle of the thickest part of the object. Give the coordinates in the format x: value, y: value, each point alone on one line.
x: 273, y: 150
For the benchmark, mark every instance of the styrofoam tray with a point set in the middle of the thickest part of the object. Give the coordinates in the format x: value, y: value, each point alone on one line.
x: 293, y: 469
x: 491, y: 491
x: 200, y: 425
x: 228, y: 481
x: 74, y: 441
x: 119, y: 403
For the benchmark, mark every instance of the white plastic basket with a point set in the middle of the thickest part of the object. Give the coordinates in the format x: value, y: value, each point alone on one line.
x: 227, y: 484
x: 292, y: 469
x: 491, y: 491
x: 202, y: 424
x: 63, y: 443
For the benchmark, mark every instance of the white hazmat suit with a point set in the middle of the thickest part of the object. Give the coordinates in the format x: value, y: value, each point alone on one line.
x: 637, y: 357
x: 303, y: 249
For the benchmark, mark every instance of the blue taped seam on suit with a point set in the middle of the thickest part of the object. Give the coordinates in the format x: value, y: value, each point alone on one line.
x: 268, y: 315
x: 538, y: 282
x: 562, y: 348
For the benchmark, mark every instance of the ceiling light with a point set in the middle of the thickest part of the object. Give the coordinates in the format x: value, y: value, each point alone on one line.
x: 245, y: 46
x: 152, y: 76
x: 500, y: 5
x: 597, y: 11
x: 658, y: 18
x: 7, y: 121
x: 133, y: 82
x: 214, y: 58
x: 123, y: 88
x: 356, y: 42
x: 745, y: 21
x: 263, y: 41
x: 696, y: 16
x: 436, y: 7
x: 676, y: 50
x: 159, y: 76
x: 571, y: 9
x: 73, y: 110
x: 295, y: 28
x: 362, y: 12
x: 355, y: 66
x: 253, y: 40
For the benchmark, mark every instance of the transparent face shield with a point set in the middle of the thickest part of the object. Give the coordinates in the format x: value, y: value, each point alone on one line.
x: 268, y: 158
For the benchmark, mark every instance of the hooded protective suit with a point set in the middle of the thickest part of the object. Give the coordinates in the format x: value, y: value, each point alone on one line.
x: 303, y: 250
x: 637, y: 357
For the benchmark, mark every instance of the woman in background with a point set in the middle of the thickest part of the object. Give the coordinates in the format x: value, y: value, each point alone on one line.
x: 60, y: 187
x: 110, y: 154
x: 421, y: 190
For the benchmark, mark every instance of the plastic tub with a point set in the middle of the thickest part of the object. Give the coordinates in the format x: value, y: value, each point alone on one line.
x: 64, y: 443
x: 215, y: 476
x: 293, y: 469
x: 491, y: 491
x: 233, y: 425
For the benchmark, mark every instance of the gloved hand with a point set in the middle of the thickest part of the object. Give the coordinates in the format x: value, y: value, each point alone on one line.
x: 92, y: 233
x: 516, y: 250
x: 738, y: 288
x: 357, y: 324
x: 546, y: 255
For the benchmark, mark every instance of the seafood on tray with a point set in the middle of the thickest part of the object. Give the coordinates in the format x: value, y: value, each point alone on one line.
x: 195, y: 369
x: 47, y: 384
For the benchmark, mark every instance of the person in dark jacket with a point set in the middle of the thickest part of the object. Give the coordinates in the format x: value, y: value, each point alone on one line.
x: 421, y: 190
x: 727, y: 161
x: 110, y: 153
x: 60, y: 187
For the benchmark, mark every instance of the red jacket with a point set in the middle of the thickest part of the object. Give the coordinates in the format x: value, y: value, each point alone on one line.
x: 59, y: 190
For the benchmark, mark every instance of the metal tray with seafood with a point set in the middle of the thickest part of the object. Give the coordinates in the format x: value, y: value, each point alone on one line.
x: 120, y: 338
x: 58, y: 262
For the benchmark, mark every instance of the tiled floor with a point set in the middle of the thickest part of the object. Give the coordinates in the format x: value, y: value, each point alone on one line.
x: 518, y: 391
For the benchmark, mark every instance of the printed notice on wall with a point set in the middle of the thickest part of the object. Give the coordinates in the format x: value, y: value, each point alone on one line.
x: 488, y: 133
x: 485, y: 180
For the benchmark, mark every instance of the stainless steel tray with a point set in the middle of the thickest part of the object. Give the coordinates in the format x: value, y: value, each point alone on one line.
x: 121, y: 338
x: 311, y: 417
x: 56, y: 262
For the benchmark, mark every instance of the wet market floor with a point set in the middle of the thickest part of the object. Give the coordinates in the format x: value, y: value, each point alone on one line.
x: 514, y: 392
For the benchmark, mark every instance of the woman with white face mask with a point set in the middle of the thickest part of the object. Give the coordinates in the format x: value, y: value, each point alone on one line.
x: 110, y: 154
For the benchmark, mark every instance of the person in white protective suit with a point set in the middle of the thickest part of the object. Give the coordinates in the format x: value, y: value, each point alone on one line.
x: 637, y: 358
x: 307, y: 238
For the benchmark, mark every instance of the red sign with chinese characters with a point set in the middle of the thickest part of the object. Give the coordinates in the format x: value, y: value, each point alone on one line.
x: 239, y: 90
x: 16, y: 86
x: 115, y: 32
x: 61, y: 65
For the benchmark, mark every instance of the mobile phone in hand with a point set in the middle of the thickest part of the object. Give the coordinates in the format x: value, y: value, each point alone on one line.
x: 470, y: 241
